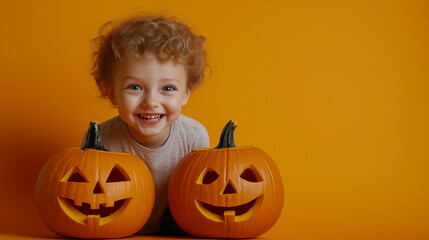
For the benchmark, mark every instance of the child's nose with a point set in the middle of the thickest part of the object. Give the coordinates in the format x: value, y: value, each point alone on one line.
x: 151, y: 100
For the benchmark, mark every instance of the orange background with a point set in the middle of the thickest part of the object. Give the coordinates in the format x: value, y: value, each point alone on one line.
x: 337, y: 92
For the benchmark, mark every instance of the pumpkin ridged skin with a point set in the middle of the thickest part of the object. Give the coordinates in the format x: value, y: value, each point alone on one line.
x: 53, y: 189
x: 186, y: 190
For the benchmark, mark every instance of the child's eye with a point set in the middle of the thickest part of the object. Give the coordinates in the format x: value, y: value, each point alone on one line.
x: 134, y: 87
x: 168, y: 88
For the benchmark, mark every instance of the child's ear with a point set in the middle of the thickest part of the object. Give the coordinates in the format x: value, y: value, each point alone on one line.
x: 113, y: 100
x: 112, y: 97
x: 186, y: 97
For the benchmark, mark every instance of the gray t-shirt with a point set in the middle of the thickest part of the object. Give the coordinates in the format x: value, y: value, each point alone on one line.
x: 186, y: 134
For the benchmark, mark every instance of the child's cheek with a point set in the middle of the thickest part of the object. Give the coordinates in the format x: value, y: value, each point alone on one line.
x: 174, y: 106
x: 130, y: 102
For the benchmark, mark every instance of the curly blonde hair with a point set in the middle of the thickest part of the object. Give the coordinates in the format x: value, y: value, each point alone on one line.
x: 144, y: 35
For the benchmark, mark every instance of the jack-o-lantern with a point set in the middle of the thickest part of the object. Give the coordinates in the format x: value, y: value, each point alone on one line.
x: 94, y: 193
x: 226, y: 192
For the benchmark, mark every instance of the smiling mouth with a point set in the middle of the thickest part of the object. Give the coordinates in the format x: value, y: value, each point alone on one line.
x: 83, y: 212
x: 240, y: 213
x: 150, y: 117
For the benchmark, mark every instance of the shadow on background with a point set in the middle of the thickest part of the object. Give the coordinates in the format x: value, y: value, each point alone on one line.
x: 27, y: 150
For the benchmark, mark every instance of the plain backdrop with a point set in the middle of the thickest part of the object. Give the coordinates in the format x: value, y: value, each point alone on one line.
x: 336, y: 92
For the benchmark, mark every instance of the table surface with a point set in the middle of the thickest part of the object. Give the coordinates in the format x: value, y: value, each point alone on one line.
x: 17, y: 236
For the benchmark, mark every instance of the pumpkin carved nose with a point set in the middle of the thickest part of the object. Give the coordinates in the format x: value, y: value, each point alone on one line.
x: 229, y: 189
x: 97, y: 189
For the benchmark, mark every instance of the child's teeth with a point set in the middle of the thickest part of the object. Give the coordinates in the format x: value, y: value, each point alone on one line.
x: 150, y: 117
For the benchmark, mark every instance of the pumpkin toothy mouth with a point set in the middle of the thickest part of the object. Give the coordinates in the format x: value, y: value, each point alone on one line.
x: 238, y: 210
x: 84, y: 211
x: 102, y: 211
x: 240, y: 213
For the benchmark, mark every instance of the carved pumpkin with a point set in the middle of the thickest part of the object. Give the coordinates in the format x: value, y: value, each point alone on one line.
x: 94, y: 193
x: 226, y: 192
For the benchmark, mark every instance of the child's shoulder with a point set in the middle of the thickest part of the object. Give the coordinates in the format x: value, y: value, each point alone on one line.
x: 189, y: 124
x: 192, y: 132
x: 113, y: 123
x: 113, y: 127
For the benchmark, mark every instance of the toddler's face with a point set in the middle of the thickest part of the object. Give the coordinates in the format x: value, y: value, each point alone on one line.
x: 149, y: 95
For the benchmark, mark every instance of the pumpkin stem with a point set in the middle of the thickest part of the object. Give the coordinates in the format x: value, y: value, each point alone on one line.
x: 227, y: 136
x: 93, y: 137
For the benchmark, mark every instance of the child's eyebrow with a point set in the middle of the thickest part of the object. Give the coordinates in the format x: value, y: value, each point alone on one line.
x: 132, y: 78
x: 162, y: 79
x: 170, y: 80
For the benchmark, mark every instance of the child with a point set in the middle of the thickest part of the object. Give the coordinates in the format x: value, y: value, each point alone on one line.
x: 148, y: 66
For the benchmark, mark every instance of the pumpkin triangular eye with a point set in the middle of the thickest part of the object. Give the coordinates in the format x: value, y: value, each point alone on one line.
x: 251, y: 175
x: 210, y: 177
x: 76, y: 176
x: 117, y: 175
